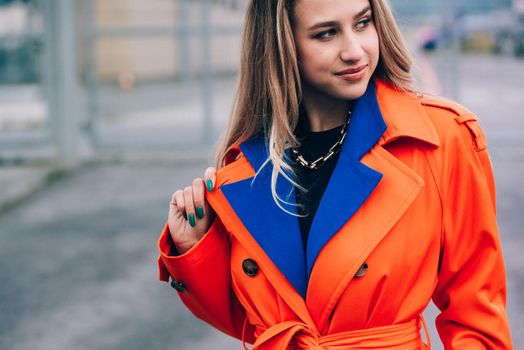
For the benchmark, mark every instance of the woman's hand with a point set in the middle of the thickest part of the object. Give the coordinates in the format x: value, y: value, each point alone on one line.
x: 190, y: 215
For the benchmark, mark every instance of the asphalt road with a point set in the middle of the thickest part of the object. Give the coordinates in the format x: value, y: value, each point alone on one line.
x: 78, y: 259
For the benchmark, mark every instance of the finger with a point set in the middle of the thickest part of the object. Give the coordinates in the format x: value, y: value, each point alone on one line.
x: 180, y: 204
x: 190, y: 206
x: 198, y: 197
x: 173, y: 204
x: 210, y: 178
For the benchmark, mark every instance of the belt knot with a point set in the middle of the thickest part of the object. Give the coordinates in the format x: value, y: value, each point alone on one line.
x: 307, y: 340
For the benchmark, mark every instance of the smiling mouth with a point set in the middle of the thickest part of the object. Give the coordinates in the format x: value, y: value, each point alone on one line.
x: 352, y: 71
x: 352, y: 74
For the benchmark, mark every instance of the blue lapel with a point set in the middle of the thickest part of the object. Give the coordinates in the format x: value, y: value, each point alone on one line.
x: 277, y: 232
x: 351, y: 183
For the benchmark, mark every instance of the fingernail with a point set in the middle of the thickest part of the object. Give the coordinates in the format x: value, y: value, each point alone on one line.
x: 192, y: 221
x: 209, y: 185
x: 184, y: 214
x: 200, y: 212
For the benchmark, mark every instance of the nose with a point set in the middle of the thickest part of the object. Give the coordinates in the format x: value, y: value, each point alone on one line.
x: 351, y: 50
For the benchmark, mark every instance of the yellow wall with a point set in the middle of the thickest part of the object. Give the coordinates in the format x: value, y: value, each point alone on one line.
x: 156, y: 57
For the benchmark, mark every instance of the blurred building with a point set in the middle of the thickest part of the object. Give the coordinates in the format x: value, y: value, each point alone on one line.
x: 162, y: 40
x: 433, y: 6
x: 156, y: 40
x: 151, y: 40
x: 20, y: 41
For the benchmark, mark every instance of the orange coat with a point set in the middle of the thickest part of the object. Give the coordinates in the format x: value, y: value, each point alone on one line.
x: 408, y: 216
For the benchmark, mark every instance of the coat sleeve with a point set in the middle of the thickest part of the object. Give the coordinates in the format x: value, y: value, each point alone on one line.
x: 471, y: 288
x: 204, y: 274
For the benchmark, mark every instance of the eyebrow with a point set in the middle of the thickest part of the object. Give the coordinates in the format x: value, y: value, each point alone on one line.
x: 333, y: 23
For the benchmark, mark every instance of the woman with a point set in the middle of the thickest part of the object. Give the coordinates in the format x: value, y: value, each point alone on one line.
x: 343, y: 201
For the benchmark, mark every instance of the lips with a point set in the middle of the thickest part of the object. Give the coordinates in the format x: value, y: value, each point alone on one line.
x: 353, y: 74
x: 354, y: 70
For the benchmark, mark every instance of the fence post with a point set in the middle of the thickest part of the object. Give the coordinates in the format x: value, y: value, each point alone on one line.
x: 64, y: 109
x: 182, y: 22
x: 451, y: 27
x: 89, y: 23
x: 207, y: 73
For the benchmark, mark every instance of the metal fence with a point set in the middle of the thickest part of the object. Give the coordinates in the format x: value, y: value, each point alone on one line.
x: 140, y: 108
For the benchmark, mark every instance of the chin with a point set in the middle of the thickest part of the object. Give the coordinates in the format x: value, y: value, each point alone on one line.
x: 340, y: 90
x: 353, y: 92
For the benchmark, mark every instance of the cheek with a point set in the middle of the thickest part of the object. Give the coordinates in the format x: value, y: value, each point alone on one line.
x: 304, y: 52
x: 310, y: 54
x: 372, y: 47
x: 313, y: 58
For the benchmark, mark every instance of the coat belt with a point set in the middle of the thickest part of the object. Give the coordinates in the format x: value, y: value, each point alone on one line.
x: 297, y: 335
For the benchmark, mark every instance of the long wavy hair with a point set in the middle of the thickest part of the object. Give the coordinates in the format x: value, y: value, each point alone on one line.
x: 269, y: 92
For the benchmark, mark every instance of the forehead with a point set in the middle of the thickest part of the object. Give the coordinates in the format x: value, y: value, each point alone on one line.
x: 312, y: 11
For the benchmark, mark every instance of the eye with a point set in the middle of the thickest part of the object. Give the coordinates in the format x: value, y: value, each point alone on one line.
x: 326, y: 34
x: 363, y: 23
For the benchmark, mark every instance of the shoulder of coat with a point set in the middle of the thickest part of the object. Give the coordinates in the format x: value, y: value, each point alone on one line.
x: 446, y: 105
x: 453, y: 118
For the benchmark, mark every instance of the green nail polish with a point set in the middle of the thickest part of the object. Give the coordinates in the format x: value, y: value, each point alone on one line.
x: 200, y: 212
x: 192, y: 221
x: 209, y: 185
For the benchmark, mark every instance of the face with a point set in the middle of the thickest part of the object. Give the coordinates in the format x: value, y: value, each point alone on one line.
x: 337, y: 47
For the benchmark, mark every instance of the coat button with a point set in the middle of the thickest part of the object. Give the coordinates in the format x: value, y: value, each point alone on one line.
x: 250, y: 267
x: 178, y: 285
x: 362, y: 271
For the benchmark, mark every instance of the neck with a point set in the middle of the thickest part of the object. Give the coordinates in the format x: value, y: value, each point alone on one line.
x: 324, y: 112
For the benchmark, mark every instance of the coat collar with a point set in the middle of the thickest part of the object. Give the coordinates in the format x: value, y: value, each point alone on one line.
x: 380, y: 116
x: 404, y: 115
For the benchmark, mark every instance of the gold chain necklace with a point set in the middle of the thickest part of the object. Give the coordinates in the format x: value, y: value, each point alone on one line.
x: 332, y: 151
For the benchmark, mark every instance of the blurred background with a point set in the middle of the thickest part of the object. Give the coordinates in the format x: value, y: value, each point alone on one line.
x: 107, y: 107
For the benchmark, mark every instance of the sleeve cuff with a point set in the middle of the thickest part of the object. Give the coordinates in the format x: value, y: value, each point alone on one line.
x: 171, y: 265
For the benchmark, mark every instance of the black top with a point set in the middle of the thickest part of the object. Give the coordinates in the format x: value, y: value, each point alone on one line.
x: 314, y: 145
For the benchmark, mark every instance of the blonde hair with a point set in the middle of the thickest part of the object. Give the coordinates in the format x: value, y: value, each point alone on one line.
x: 269, y: 92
